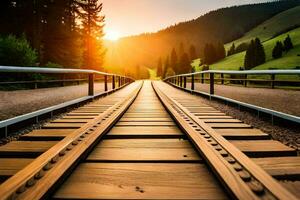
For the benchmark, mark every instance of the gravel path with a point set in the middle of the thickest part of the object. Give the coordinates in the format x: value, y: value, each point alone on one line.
x: 14, y: 103
x: 287, y: 101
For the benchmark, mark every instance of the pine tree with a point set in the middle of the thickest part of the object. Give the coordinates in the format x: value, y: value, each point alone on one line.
x: 166, y: 66
x: 220, y: 51
x: 277, y: 50
x: 193, y: 53
x: 93, y: 22
x: 184, y: 64
x: 248, y: 62
x: 231, y: 51
x: 174, y: 60
x: 255, y: 54
x: 181, y: 50
x: 260, y: 56
x: 288, y: 45
x: 159, y: 68
x: 209, y: 54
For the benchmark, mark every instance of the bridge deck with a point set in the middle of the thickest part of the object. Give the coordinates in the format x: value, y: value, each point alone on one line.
x: 150, y: 150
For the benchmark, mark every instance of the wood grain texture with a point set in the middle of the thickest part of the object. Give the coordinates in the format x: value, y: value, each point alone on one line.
x: 141, y: 181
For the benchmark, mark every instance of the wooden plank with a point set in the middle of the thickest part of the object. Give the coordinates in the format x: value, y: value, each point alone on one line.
x: 146, y: 124
x: 245, y: 133
x: 228, y: 125
x: 78, y: 117
x: 146, y: 119
x: 145, y: 131
x: 25, y: 148
x: 261, y: 148
x: 145, y: 143
x: 214, y: 117
x: 47, y: 134
x: 292, y: 186
x: 10, y: 166
x: 221, y: 120
x: 143, y: 154
x: 209, y: 114
x: 140, y: 181
x: 283, y: 167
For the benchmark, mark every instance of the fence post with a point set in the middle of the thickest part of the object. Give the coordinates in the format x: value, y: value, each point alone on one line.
x: 193, y: 82
x: 272, y: 81
x: 113, y: 82
x: 222, y: 78
x: 202, y: 78
x: 119, y: 81
x: 181, y: 81
x: 184, y: 81
x: 105, y: 83
x: 245, y: 81
x: 91, y: 85
x: 212, y: 82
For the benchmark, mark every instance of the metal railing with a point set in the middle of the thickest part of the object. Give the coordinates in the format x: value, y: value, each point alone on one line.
x: 181, y: 79
x: 115, y: 79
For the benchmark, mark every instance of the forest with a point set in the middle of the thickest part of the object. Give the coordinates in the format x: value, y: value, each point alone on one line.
x: 52, y: 33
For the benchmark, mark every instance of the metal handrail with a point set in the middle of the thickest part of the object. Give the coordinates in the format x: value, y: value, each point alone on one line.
x: 122, y: 80
x: 250, y: 72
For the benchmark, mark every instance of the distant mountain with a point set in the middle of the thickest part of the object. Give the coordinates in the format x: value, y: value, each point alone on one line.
x: 225, y: 25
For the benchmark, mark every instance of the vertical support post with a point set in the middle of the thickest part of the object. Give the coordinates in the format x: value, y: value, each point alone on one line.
x: 272, y: 81
x: 91, y: 84
x: 193, y: 82
x: 181, y: 81
x: 202, y: 78
x: 184, y: 81
x: 222, y: 78
x: 105, y: 83
x: 245, y: 81
x: 119, y: 81
x: 113, y: 82
x: 212, y: 83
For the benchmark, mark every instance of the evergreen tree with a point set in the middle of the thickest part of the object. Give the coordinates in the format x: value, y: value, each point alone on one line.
x: 184, y: 64
x: 193, y: 53
x: 174, y: 60
x: 166, y: 66
x: 93, y: 22
x: 231, y: 50
x: 277, y: 50
x: 255, y: 54
x: 288, y: 45
x: 260, y: 56
x: 181, y: 50
x: 220, y: 51
x: 159, y: 68
x: 209, y: 54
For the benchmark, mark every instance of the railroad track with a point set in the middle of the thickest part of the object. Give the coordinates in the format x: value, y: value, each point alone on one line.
x: 148, y: 141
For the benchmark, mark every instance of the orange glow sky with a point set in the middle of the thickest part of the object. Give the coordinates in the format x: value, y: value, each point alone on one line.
x: 130, y: 17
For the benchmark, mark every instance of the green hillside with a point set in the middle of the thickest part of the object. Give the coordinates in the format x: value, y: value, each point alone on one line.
x: 288, y: 61
x: 278, y: 24
x: 266, y: 32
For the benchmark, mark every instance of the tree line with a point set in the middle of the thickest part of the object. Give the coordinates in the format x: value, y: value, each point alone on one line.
x: 52, y: 33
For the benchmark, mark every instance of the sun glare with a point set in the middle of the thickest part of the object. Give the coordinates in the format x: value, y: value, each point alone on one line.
x: 112, y: 35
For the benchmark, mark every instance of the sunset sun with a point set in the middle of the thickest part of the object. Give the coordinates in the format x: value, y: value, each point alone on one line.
x: 112, y: 35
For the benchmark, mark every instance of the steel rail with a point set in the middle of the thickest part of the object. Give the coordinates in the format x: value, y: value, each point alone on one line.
x: 242, y: 178
x: 40, y: 176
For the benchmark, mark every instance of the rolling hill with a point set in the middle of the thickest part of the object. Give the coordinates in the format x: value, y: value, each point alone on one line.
x: 268, y: 33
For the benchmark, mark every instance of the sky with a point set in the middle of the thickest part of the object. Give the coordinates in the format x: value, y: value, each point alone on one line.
x: 131, y: 17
